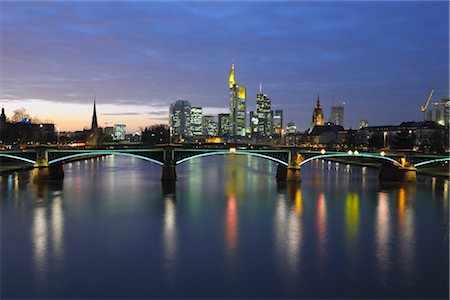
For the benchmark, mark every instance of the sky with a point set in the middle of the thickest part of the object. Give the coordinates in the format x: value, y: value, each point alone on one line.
x: 381, y: 58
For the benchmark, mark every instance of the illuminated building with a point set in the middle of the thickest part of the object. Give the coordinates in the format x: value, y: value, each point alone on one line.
x: 337, y: 114
x: 278, y: 122
x: 224, y: 125
x: 440, y: 114
x: 196, y: 121
x: 209, y: 126
x: 119, y: 132
x: 317, y: 118
x: 363, y: 124
x: 263, y: 113
x: 291, y: 128
x: 238, y: 95
x: 180, y: 119
x: 253, y: 123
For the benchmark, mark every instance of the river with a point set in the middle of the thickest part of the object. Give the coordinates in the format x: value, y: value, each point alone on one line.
x: 225, y: 230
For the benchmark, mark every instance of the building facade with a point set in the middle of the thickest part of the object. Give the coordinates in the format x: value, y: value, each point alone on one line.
x: 196, y: 121
x: 263, y: 106
x: 224, y: 125
x: 238, y: 109
x: 209, y: 126
x: 278, y: 123
x: 291, y: 128
x: 337, y: 114
x: 180, y: 119
x: 120, y: 131
x: 317, y: 118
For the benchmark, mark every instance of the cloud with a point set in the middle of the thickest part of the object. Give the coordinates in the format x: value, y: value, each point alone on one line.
x: 122, y: 114
x: 144, y: 54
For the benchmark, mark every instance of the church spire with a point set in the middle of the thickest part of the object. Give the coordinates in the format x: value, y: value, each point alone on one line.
x: 94, y: 125
x: 3, y: 116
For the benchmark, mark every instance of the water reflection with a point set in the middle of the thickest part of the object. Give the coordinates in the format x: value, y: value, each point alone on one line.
x: 47, y: 232
x: 288, y: 231
x: 406, y: 241
x: 382, y: 234
x: 169, y: 242
x: 352, y: 220
x: 321, y: 217
x: 231, y: 230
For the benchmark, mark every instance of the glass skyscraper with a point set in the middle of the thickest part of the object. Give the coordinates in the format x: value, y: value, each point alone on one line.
x: 263, y: 114
x: 196, y: 121
x: 238, y: 109
x: 180, y: 118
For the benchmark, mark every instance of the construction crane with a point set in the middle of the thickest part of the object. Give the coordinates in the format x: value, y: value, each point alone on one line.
x: 445, y: 101
x: 424, y: 108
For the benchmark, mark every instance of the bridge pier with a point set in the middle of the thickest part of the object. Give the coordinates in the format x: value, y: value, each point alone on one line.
x: 288, y: 174
x: 52, y: 172
x: 291, y: 173
x: 169, y: 172
x: 41, y: 158
x: 395, y: 173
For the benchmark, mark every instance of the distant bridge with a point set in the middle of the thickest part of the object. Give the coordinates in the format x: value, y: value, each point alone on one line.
x: 289, y: 159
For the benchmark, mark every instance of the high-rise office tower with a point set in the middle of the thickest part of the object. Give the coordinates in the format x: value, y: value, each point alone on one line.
x: 180, y: 118
x: 238, y: 110
x: 278, y: 122
x: 209, y: 126
x: 224, y: 125
x: 196, y: 121
x: 337, y: 113
x: 317, y: 118
x: 263, y: 113
x: 253, y: 123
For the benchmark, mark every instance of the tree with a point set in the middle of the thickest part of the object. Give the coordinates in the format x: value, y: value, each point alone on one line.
x: 19, y: 114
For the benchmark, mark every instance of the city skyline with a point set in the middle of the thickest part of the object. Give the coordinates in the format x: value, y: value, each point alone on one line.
x: 342, y: 53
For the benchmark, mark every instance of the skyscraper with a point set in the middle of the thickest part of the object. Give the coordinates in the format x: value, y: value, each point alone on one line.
x: 253, y: 124
x: 224, y: 125
x: 278, y: 122
x: 317, y: 118
x: 263, y: 113
x: 337, y: 113
x: 180, y: 119
x: 238, y: 109
x: 209, y: 126
x: 196, y: 121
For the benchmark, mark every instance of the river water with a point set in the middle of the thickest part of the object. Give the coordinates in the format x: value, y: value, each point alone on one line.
x: 225, y: 230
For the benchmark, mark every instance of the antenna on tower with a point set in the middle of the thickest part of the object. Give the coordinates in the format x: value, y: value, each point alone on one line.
x: 260, y: 86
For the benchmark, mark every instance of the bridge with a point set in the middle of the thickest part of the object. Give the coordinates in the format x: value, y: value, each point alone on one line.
x: 393, y: 166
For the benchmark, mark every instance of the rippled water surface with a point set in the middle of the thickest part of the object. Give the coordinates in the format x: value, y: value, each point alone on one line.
x: 225, y: 230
